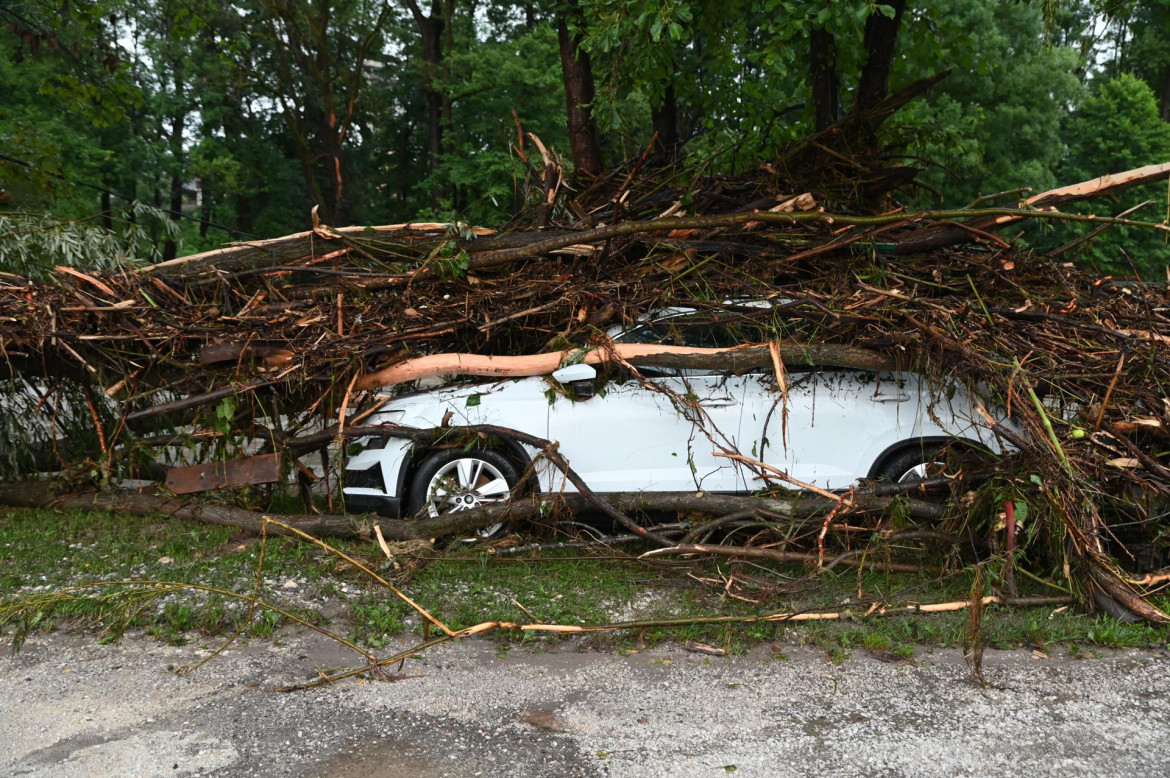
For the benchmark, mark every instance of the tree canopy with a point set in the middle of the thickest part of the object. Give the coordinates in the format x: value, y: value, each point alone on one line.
x: 176, y: 125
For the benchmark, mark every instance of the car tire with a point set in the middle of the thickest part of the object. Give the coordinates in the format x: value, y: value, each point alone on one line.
x: 457, y: 480
x: 910, y: 464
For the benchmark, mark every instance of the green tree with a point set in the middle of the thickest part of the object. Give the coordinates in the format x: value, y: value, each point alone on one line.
x: 1148, y: 53
x: 1117, y: 128
x: 997, y: 122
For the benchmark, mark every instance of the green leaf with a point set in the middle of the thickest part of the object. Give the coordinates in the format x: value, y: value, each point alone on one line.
x: 473, y: 401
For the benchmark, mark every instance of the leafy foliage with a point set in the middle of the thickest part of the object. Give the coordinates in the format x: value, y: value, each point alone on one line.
x: 235, y: 119
x: 996, y: 123
x: 1118, y: 128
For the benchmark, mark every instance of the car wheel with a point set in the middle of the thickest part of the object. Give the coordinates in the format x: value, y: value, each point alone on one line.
x: 458, y: 480
x: 912, y: 465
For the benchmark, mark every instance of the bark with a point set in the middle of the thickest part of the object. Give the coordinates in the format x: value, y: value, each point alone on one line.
x: 431, y: 30
x: 170, y: 248
x: 577, y: 74
x: 205, y: 208
x: 107, y: 209
x: 942, y: 235
x: 41, y: 494
x: 339, y: 205
x: 798, y: 356
x: 664, y: 120
x: 319, y: 122
x: 881, y: 39
x: 195, y: 401
x: 826, y: 89
x: 178, y: 167
x: 245, y: 212
x: 1166, y: 97
x: 288, y: 248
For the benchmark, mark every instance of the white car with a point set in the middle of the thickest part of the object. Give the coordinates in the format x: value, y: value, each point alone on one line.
x: 670, y: 434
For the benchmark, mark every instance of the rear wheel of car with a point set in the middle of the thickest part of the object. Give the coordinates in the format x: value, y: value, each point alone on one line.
x: 458, y: 480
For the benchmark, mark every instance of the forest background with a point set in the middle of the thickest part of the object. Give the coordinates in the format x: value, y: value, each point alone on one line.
x: 161, y: 128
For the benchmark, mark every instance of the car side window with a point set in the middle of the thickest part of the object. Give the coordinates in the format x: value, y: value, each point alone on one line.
x: 690, y: 330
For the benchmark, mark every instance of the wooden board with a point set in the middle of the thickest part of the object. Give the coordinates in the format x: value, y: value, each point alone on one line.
x: 263, y: 469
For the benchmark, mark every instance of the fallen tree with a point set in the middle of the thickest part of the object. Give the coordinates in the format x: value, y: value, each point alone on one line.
x: 276, y: 339
x: 797, y: 510
x: 796, y: 355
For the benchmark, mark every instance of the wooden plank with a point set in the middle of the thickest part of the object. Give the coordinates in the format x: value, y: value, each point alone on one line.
x: 263, y: 469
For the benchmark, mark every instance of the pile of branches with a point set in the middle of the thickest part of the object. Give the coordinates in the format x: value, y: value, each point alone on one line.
x: 304, y: 333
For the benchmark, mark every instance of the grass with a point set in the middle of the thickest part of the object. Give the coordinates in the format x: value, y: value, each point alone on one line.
x: 45, y: 551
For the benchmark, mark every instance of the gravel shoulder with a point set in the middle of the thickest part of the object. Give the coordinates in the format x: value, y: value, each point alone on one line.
x: 70, y: 706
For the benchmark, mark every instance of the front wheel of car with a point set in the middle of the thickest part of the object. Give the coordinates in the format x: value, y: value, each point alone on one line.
x: 457, y: 480
x: 913, y: 465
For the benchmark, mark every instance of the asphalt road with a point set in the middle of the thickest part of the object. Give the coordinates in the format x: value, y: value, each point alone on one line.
x: 70, y: 707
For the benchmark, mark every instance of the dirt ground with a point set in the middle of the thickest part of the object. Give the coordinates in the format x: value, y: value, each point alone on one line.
x: 70, y: 706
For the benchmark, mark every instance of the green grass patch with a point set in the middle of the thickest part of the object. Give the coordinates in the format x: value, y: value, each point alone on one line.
x: 43, y: 551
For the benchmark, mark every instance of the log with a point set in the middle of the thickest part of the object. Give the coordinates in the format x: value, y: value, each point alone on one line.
x: 274, y: 250
x: 942, y: 235
x: 42, y: 494
x: 794, y: 355
x: 195, y: 401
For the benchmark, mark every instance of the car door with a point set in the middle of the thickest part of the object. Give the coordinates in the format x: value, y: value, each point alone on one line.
x: 834, y: 418
x: 661, y: 436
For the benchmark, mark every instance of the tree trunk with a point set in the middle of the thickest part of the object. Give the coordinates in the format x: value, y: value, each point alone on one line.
x: 245, y: 213
x: 107, y: 210
x: 205, y: 208
x: 431, y: 30
x: 339, y: 207
x: 577, y: 72
x: 664, y: 119
x: 1166, y: 97
x: 170, y: 248
x: 881, y: 40
x: 826, y: 89
x: 40, y: 494
x: 178, y: 124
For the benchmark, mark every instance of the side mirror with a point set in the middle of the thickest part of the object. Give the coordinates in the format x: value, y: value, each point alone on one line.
x: 579, y: 378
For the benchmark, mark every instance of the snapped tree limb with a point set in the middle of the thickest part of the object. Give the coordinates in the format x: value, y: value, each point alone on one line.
x: 793, y: 355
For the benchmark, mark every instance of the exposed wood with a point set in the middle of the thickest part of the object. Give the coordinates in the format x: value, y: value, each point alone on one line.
x: 878, y: 609
x: 738, y: 358
x: 233, y: 474
x: 938, y: 236
x: 785, y: 557
x: 233, y: 254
